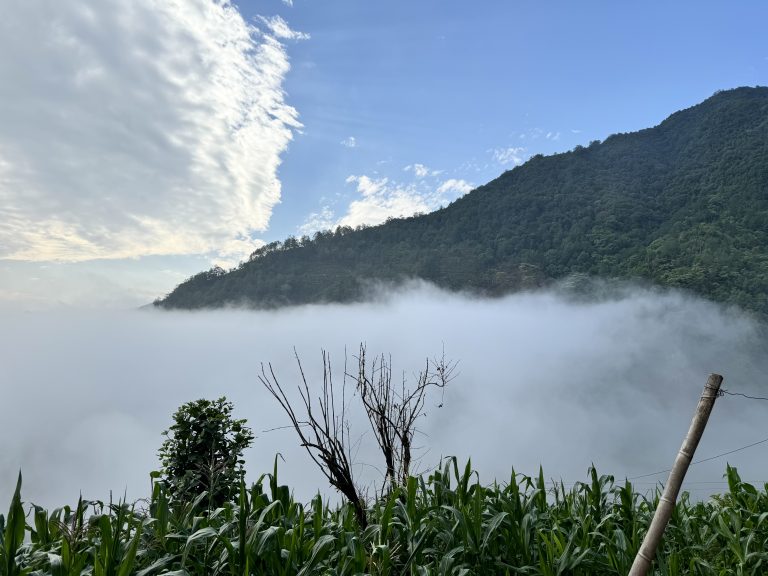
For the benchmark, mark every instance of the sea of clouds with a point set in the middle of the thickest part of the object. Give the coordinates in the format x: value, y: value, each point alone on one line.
x: 542, y: 379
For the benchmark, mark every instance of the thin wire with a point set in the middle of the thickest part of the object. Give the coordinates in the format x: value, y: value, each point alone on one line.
x: 301, y: 425
x: 744, y: 395
x: 696, y: 484
x: 763, y: 441
x: 719, y: 393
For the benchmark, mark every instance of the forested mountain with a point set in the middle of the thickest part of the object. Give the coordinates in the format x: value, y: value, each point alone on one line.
x: 683, y: 204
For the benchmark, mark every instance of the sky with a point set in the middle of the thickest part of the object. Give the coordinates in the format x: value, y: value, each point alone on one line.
x: 144, y: 141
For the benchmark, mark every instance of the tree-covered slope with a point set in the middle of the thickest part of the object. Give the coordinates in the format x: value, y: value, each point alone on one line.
x: 683, y: 204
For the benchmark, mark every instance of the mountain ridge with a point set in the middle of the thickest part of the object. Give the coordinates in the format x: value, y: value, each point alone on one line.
x: 681, y: 204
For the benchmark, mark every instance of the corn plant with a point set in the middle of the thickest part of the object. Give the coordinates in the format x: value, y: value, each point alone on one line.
x: 446, y: 523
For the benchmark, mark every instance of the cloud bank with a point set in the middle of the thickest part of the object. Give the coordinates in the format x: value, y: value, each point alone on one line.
x: 542, y: 379
x: 138, y: 128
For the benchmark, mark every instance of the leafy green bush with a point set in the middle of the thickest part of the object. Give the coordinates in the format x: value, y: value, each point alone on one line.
x: 203, y: 452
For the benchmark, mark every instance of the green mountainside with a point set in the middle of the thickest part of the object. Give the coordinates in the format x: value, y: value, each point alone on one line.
x: 683, y: 204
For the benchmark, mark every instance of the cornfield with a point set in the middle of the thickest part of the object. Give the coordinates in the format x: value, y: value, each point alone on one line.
x: 446, y: 523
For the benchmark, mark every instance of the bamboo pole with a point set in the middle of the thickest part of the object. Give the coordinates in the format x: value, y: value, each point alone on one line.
x: 676, y: 476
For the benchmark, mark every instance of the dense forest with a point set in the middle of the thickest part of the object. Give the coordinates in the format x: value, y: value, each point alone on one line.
x: 683, y: 204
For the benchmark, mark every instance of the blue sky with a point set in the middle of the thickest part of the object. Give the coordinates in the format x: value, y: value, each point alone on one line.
x: 448, y: 84
x: 141, y: 142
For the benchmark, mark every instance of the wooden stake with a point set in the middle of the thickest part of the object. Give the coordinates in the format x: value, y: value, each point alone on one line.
x: 668, y: 499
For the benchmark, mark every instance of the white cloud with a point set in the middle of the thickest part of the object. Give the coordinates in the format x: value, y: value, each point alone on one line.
x: 454, y: 185
x: 288, y: 3
x: 280, y: 29
x: 138, y: 128
x: 382, y: 198
x: 537, y: 133
x: 512, y: 155
x: 234, y: 251
x: 418, y: 169
x: 421, y: 171
x: 369, y: 187
x: 349, y: 142
x: 316, y: 221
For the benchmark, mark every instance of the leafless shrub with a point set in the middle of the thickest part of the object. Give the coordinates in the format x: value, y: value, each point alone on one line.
x: 392, y: 412
x: 325, y: 435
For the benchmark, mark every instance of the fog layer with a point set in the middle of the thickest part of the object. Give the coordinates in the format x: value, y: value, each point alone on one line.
x: 542, y: 379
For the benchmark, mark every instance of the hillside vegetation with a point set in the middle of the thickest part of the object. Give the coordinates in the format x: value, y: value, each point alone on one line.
x: 683, y: 204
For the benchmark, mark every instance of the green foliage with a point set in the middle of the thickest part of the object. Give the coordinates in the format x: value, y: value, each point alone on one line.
x: 202, y: 453
x: 682, y: 204
x: 447, y: 523
x: 12, y: 534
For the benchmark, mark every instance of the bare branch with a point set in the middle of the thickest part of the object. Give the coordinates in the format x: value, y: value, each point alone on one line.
x: 392, y: 412
x: 321, y: 437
